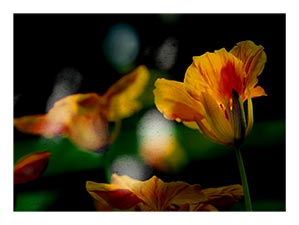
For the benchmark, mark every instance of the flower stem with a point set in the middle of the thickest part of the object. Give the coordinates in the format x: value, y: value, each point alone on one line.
x: 244, y: 180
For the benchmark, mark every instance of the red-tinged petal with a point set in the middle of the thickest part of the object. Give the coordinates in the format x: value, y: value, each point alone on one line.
x: 217, y: 72
x: 113, y: 195
x: 39, y: 125
x: 253, y: 58
x: 174, y: 102
x: 30, y: 167
x: 122, y: 98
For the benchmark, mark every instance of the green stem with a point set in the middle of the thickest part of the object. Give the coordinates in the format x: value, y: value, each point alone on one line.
x: 244, y: 180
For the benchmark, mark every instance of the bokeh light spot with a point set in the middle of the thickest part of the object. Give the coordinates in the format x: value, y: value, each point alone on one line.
x: 130, y: 165
x: 121, y: 45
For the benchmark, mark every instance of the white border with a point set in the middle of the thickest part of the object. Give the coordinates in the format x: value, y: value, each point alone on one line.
x: 128, y: 6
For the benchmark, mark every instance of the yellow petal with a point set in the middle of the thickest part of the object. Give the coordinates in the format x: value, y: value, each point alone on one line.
x: 174, y: 102
x: 253, y: 58
x: 192, y: 125
x: 217, y: 120
x: 30, y: 167
x: 122, y: 97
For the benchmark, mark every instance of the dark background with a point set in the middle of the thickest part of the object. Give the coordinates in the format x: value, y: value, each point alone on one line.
x: 45, y: 44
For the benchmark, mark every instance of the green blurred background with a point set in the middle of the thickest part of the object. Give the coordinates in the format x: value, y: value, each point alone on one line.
x: 60, y: 54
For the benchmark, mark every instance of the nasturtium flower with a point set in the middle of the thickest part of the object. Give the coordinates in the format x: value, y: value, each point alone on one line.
x: 126, y: 193
x: 30, y: 167
x: 214, y: 92
x: 84, y: 117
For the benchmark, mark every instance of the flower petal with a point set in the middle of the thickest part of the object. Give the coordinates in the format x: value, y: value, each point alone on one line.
x: 224, y: 196
x: 157, y: 195
x: 217, y: 120
x: 77, y: 116
x: 35, y: 124
x: 257, y: 92
x: 249, y: 116
x: 30, y: 167
x: 122, y: 97
x: 89, y: 132
x: 174, y: 102
x: 113, y: 195
x: 253, y: 58
x: 217, y: 72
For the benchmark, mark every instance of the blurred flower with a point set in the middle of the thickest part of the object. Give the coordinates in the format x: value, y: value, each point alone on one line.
x: 214, y: 91
x: 31, y: 167
x: 157, y: 143
x: 125, y: 193
x: 84, y: 117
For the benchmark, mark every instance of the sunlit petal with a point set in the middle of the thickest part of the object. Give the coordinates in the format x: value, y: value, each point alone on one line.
x: 174, y: 102
x: 122, y: 98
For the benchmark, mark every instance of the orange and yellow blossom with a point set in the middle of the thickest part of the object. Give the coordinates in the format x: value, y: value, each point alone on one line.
x: 84, y: 117
x: 30, y: 167
x: 126, y: 193
x: 215, y: 88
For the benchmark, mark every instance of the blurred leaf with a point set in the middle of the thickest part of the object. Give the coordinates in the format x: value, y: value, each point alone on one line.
x: 267, y: 134
x: 35, y: 201
x: 261, y: 205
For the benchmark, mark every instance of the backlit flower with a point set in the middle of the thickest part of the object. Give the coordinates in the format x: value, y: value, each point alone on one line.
x: 84, y: 117
x: 125, y: 193
x: 30, y: 167
x: 214, y: 91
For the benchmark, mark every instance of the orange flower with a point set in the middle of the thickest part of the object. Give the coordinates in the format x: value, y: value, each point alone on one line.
x: 31, y: 167
x: 84, y: 117
x: 125, y: 193
x: 214, y: 91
